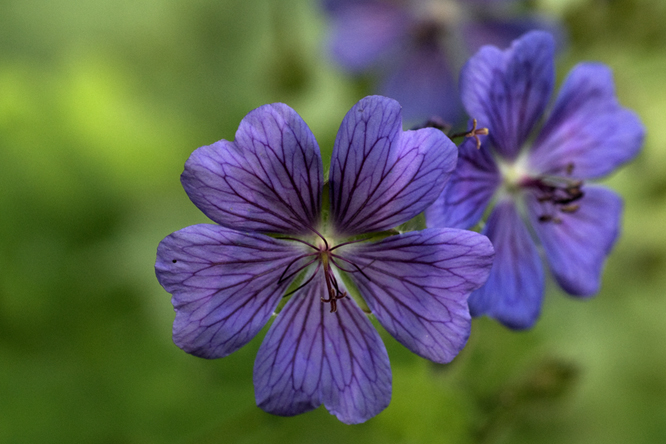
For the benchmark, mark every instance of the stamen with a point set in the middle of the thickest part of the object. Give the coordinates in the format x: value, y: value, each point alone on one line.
x: 334, y: 292
x: 285, y: 278
x: 322, y: 238
x: 333, y: 257
x: 334, y: 281
x: 298, y: 240
x: 325, y: 259
x: 569, y: 208
x: 347, y: 243
x: 304, y: 283
x: 550, y: 218
x: 474, y: 132
x: 556, y: 193
x: 572, y: 193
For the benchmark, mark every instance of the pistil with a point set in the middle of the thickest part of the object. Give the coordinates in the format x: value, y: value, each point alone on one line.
x: 334, y: 293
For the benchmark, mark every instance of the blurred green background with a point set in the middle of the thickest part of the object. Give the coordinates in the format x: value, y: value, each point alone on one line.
x: 101, y: 103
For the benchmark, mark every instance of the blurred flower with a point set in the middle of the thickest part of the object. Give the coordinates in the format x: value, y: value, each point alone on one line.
x: 228, y: 279
x: 537, y: 180
x: 417, y: 46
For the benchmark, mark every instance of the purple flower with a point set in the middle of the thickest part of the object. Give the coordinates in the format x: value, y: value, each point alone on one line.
x: 417, y: 45
x: 537, y: 179
x: 281, y: 233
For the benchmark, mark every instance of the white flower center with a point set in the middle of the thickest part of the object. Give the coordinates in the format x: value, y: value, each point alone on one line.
x: 513, y: 174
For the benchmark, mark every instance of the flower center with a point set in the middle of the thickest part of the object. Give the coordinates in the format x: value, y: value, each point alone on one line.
x: 555, y: 193
x: 325, y: 258
x: 513, y: 175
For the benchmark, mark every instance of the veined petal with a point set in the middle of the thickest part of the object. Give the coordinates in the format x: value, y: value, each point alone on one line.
x: 311, y: 356
x: 576, y: 248
x: 364, y: 32
x: 424, y: 84
x: 515, y: 288
x: 417, y: 285
x: 381, y: 176
x: 225, y: 285
x: 507, y: 91
x: 269, y: 179
x: 588, y: 129
x: 469, y: 191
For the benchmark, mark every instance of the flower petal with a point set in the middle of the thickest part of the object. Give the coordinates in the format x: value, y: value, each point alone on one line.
x: 469, y: 191
x: 424, y: 84
x: 311, y: 356
x: 417, y: 285
x: 269, y: 179
x: 363, y: 33
x: 587, y: 128
x: 381, y: 176
x: 507, y: 91
x: 225, y: 285
x: 577, y: 247
x: 515, y: 288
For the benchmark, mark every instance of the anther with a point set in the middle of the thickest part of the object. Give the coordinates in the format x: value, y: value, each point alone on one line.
x: 549, y: 218
x: 474, y: 132
x: 545, y: 218
x: 573, y: 194
x: 571, y: 208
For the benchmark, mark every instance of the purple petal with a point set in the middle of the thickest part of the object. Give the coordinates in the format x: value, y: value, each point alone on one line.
x: 417, y: 285
x: 507, y: 91
x: 381, y: 176
x: 363, y: 33
x: 225, y: 285
x: 515, y: 288
x: 311, y: 356
x: 587, y: 128
x: 576, y: 248
x: 470, y: 189
x: 424, y: 84
x: 269, y: 179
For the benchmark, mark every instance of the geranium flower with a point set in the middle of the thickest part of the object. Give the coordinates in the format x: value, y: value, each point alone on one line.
x: 227, y: 280
x: 538, y: 179
x: 417, y: 46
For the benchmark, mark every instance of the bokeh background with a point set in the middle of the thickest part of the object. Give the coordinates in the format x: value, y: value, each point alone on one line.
x: 101, y: 103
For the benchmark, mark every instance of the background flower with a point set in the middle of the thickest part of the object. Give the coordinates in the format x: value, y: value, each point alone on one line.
x: 587, y: 134
x: 417, y: 46
x: 228, y: 279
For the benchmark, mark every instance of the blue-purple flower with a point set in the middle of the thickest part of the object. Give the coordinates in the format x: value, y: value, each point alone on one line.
x: 281, y: 233
x: 417, y: 46
x: 536, y: 174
